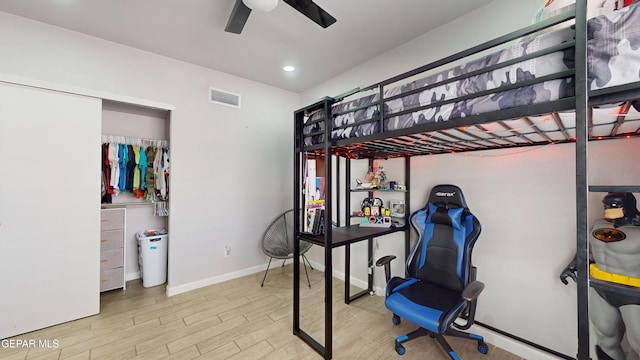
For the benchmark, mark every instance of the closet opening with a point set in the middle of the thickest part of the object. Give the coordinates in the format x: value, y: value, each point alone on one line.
x: 135, y: 195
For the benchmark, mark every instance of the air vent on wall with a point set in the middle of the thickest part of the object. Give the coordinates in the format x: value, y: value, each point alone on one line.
x: 222, y: 97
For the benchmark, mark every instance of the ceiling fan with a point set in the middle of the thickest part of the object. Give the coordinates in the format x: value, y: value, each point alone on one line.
x: 308, y: 8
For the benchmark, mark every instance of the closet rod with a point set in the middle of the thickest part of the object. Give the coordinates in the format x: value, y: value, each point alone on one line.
x: 127, y: 204
x: 105, y: 137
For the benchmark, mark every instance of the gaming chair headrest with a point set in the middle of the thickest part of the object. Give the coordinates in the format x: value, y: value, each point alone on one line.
x: 447, y: 196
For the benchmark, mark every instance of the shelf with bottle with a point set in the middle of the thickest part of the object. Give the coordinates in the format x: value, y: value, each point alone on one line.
x: 366, y: 189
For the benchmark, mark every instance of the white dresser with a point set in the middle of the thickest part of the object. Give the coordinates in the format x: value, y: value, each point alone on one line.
x: 112, y: 249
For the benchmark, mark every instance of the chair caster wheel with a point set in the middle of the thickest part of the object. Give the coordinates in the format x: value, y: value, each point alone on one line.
x: 395, y: 320
x: 482, y: 347
x: 400, y: 349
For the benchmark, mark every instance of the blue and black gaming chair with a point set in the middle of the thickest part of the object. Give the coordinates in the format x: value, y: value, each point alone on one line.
x: 440, y: 286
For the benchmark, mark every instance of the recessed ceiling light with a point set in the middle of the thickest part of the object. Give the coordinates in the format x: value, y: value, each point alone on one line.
x: 288, y: 68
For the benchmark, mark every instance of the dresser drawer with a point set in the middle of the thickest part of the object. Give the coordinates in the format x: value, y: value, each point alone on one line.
x: 112, y: 219
x: 111, y: 279
x: 111, y: 259
x: 111, y: 239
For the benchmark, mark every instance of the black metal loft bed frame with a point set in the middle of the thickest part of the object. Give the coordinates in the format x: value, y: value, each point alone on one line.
x: 455, y: 136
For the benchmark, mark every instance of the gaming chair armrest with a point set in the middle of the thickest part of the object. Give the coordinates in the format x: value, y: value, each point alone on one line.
x: 470, y: 295
x: 473, y: 289
x: 386, y: 261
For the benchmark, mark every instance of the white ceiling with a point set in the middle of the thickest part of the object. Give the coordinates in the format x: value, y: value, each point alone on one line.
x: 193, y: 31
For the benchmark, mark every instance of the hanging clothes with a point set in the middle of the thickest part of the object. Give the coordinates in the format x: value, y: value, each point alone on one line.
x: 133, y: 167
x: 150, y: 179
x: 123, y: 158
x: 142, y: 168
x: 106, y: 175
x: 136, y: 169
x: 158, y: 170
x: 115, y: 167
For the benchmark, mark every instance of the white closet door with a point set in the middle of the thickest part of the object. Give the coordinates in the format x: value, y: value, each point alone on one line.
x: 49, y: 208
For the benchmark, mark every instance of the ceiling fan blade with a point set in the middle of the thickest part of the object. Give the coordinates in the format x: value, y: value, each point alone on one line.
x: 238, y: 18
x: 312, y: 11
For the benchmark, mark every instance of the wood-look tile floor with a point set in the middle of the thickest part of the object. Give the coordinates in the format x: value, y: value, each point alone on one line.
x: 236, y: 319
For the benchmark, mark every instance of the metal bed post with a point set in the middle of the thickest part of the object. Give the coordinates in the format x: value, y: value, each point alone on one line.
x: 297, y: 176
x: 347, y: 200
x: 347, y: 248
x: 328, y: 239
x: 338, y: 186
x: 407, y: 207
x: 582, y: 230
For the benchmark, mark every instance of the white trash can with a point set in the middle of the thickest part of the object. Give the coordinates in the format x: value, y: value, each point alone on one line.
x: 152, y: 256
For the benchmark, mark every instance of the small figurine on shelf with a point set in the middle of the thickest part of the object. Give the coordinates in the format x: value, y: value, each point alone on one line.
x: 367, y: 184
x: 369, y: 176
x: 381, y: 177
x: 375, y: 211
x: 376, y: 221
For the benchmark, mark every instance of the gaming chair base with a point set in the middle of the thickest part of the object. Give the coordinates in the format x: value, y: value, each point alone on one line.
x: 482, y: 346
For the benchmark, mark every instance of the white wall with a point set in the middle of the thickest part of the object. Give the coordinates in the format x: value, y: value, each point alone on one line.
x: 524, y: 198
x: 230, y: 168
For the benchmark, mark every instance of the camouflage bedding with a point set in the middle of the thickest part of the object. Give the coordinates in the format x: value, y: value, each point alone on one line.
x: 614, y: 48
x: 614, y: 58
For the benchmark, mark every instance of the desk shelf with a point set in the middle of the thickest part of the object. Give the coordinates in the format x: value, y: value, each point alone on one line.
x: 376, y: 189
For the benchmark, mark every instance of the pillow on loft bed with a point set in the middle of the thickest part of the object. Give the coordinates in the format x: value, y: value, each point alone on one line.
x: 613, y: 47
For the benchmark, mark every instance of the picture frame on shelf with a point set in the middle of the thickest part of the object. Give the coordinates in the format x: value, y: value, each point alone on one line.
x: 397, y: 208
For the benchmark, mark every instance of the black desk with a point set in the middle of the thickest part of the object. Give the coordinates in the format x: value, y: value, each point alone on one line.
x: 345, y: 236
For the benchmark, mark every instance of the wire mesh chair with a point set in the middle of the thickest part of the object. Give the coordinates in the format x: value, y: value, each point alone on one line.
x: 277, y: 243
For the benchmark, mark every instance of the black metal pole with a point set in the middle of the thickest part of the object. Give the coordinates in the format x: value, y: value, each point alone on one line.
x: 347, y: 273
x: 347, y: 200
x: 407, y: 208
x: 582, y: 227
x: 328, y: 239
x: 297, y: 175
x: 370, y: 264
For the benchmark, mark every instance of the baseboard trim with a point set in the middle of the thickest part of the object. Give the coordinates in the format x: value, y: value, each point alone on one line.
x: 132, y: 276
x: 511, y: 345
x: 175, y: 290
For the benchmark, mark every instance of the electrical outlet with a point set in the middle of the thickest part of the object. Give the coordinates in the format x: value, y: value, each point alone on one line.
x: 227, y: 251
